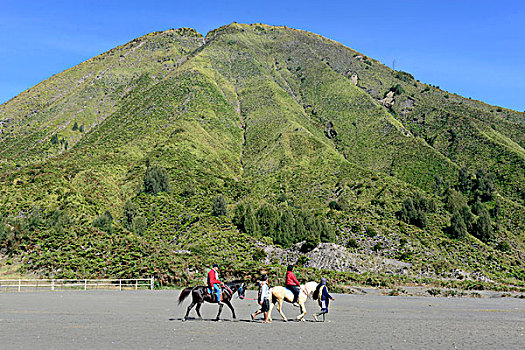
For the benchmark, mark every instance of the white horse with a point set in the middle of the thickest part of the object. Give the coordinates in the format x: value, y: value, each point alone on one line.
x: 280, y: 294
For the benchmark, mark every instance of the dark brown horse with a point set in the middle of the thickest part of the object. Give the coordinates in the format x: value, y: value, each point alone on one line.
x: 200, y: 295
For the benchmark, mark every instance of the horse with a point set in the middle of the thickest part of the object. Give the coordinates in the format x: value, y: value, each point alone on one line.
x: 280, y: 294
x: 200, y: 295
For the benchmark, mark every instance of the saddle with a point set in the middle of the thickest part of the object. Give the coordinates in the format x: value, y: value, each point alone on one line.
x: 212, y: 293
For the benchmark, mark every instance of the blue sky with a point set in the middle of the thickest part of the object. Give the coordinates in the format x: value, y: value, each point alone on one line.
x: 473, y: 48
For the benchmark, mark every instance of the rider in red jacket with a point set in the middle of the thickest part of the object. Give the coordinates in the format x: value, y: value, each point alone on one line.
x: 214, y: 283
x: 292, y: 284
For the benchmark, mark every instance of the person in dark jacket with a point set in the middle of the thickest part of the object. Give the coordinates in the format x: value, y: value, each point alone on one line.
x: 293, y: 284
x: 323, y: 297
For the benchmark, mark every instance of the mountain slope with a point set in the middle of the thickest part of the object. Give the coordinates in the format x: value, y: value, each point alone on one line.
x: 305, y: 139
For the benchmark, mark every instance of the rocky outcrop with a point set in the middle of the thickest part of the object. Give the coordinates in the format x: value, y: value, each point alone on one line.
x: 354, y: 79
x: 332, y: 256
x: 388, y: 101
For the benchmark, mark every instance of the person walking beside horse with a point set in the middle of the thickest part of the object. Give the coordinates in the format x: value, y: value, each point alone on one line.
x: 323, y: 297
x: 263, y: 299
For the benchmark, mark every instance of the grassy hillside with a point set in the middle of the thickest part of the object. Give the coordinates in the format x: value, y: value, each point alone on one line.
x: 190, y: 150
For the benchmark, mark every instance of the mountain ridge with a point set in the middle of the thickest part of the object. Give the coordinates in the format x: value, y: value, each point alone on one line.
x: 311, y: 139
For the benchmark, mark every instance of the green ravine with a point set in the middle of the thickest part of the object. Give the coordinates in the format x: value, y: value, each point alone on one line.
x: 175, y: 151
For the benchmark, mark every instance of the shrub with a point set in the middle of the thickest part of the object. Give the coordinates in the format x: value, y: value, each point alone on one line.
x: 352, y: 243
x: 397, y: 89
x: 220, y: 207
x: 311, y: 242
x: 104, y: 222
x: 404, y: 76
x: 188, y: 191
x: 75, y: 127
x: 334, y: 205
x: 370, y: 232
x: 139, y: 225
x: 156, y: 180
x: 504, y: 246
x: 302, y: 261
x: 259, y: 254
x: 130, y: 211
x: 377, y: 247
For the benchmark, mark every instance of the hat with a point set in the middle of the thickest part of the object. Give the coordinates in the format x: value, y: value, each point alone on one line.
x: 290, y: 268
x: 215, y: 265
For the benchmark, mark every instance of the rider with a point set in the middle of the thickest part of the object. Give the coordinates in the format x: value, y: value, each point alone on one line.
x: 214, y: 283
x: 292, y: 284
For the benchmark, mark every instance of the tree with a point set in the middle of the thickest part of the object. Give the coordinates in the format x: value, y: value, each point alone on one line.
x: 250, y: 222
x: 468, y: 217
x: 220, y: 207
x: 267, y: 219
x: 454, y: 200
x: 464, y: 180
x: 156, y: 180
x: 286, y: 229
x: 408, y: 211
x: 483, y: 227
x: 327, y: 232
x: 438, y: 184
x: 238, y: 217
x: 484, y: 185
x: 457, y: 227
x: 413, y: 211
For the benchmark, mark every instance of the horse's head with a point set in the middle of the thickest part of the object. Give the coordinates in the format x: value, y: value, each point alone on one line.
x: 237, y: 286
x: 241, y: 291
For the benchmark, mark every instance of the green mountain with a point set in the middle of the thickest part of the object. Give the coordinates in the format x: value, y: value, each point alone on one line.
x: 176, y: 150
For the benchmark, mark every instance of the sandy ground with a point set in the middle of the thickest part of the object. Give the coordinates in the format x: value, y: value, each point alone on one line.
x: 152, y: 319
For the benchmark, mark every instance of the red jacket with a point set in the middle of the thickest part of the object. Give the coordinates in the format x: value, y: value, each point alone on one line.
x: 212, y: 278
x: 291, y: 279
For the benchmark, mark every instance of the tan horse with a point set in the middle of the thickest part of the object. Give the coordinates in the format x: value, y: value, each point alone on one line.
x: 280, y: 294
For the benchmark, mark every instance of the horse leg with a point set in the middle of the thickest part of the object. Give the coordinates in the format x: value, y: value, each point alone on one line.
x: 303, y: 311
x: 219, y: 313
x: 189, y: 309
x: 280, y: 309
x: 270, y: 311
x: 198, y: 309
x: 231, y: 308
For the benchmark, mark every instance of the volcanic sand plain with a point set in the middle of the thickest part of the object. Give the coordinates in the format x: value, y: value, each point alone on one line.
x: 153, y: 320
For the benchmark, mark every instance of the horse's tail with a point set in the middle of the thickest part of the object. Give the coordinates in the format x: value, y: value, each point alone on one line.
x: 184, y: 294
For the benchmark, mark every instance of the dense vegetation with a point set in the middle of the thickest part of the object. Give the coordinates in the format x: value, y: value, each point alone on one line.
x: 175, y: 151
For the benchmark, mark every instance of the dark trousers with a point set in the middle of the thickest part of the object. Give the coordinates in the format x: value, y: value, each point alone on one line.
x: 295, y: 290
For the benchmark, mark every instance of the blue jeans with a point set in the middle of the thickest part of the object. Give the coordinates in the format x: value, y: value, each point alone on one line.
x: 217, y: 290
